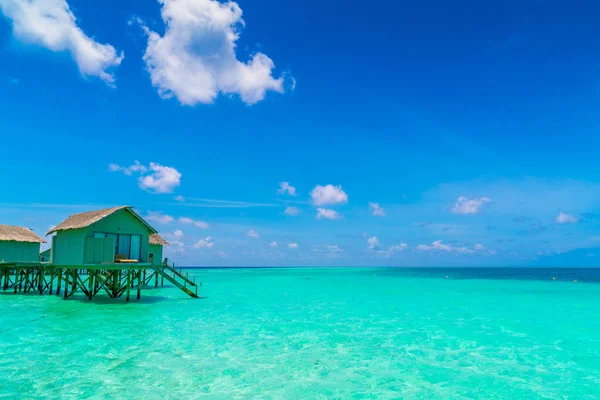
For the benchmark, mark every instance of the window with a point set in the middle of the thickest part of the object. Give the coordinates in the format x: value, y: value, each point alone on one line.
x: 128, y: 245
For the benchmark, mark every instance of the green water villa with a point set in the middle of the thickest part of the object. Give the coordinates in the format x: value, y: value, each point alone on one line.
x: 112, y: 250
x: 19, y: 244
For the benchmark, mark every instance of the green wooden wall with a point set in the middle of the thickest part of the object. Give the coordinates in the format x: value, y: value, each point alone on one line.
x: 157, y: 249
x: 11, y: 251
x: 68, y: 247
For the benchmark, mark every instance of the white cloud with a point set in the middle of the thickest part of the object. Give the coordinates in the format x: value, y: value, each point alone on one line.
x: 188, y: 221
x: 464, y: 205
x: 376, y: 209
x: 178, y: 233
x: 293, y: 245
x: 291, y: 210
x: 398, y: 248
x: 179, y: 198
x: 334, y: 248
x: 273, y: 244
x: 327, y: 214
x: 51, y: 24
x: 162, y: 179
x: 437, y: 245
x: 204, y: 243
x: 253, y: 234
x: 159, y: 217
x: 154, y: 178
x: 135, y: 167
x: 328, y: 195
x: 195, y: 59
x: 285, y: 187
x: 564, y: 218
x: 373, y: 243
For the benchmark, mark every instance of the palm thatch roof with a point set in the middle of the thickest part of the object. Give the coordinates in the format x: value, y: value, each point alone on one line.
x: 85, y: 219
x: 18, y: 234
x: 155, y: 238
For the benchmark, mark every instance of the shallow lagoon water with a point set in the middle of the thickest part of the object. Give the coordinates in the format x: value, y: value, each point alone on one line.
x: 314, y: 333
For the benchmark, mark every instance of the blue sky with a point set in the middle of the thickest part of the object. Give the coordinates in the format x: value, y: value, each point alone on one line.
x: 473, y: 127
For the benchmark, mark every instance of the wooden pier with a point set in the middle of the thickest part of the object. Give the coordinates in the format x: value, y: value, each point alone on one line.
x: 116, y: 280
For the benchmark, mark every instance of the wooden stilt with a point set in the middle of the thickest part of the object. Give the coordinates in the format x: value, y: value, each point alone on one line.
x: 41, y: 280
x: 128, y: 284
x: 91, y: 283
x: 74, y: 286
x: 66, y: 282
x: 60, y: 272
x: 139, y: 286
x: 52, y: 275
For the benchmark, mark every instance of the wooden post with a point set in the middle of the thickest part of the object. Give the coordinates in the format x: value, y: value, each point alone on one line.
x: 41, y: 280
x: 52, y: 272
x: 155, y: 279
x: 60, y: 272
x: 128, y: 283
x: 91, y: 283
x: 74, y: 286
x: 66, y: 282
x: 139, y: 286
x: 16, y: 279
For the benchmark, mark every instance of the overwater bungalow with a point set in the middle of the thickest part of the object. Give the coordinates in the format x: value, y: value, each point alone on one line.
x: 116, y: 234
x: 19, y: 244
x: 111, y: 250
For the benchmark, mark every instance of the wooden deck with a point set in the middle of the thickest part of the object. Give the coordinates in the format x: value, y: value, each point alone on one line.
x: 115, y: 279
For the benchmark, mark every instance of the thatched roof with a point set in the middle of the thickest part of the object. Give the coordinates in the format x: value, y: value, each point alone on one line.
x: 18, y: 234
x: 85, y: 219
x: 155, y: 238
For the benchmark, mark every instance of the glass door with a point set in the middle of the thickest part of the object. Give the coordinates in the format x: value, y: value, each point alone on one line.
x: 136, y: 247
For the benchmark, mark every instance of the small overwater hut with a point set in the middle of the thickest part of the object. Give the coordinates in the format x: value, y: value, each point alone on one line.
x: 102, y: 236
x: 19, y: 244
x: 111, y: 250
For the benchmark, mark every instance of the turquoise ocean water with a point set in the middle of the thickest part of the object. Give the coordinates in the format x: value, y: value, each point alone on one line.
x: 314, y: 333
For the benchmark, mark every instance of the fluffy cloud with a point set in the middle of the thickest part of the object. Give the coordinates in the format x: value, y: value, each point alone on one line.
x: 464, y: 205
x: 178, y: 233
x: 439, y: 247
x: 564, y: 218
x: 161, y: 179
x: 285, y: 187
x: 154, y: 178
x: 159, y: 217
x: 328, y: 195
x: 376, y: 209
x: 373, y: 243
x: 292, y: 210
x: 206, y: 243
x: 293, y: 245
x: 253, y: 234
x: 136, y: 167
x: 51, y: 24
x: 273, y: 244
x: 398, y: 248
x: 188, y: 221
x: 327, y: 214
x: 195, y: 59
